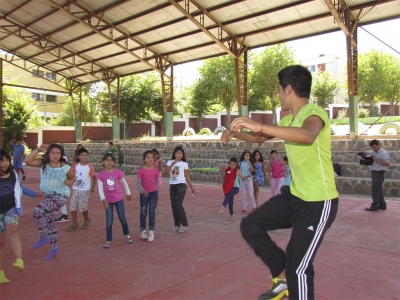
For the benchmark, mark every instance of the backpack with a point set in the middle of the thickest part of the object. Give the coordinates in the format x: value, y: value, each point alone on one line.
x: 337, y: 168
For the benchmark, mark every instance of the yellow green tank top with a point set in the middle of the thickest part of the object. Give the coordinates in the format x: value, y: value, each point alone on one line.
x: 311, y: 165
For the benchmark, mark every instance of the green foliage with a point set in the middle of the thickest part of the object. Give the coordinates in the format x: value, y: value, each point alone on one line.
x: 263, y: 83
x: 19, y: 114
x: 324, y: 88
x: 378, y: 78
x: 363, y: 112
x: 89, y: 110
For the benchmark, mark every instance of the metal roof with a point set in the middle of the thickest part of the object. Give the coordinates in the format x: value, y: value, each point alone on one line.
x: 86, y: 39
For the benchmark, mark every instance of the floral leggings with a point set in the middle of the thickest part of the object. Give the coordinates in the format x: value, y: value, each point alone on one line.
x: 45, y: 215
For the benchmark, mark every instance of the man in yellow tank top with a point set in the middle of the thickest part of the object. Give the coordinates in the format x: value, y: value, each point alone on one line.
x: 310, y: 204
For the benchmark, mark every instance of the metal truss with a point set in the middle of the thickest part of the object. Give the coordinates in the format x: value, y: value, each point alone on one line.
x: 44, y: 43
x: 232, y: 45
x: 97, y: 23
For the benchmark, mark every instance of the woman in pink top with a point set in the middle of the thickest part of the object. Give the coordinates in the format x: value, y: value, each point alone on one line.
x: 147, y: 183
x: 109, y: 183
x: 278, y: 169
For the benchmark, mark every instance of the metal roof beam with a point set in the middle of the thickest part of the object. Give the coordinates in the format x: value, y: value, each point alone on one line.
x: 73, y: 23
x: 162, y: 6
x: 335, y: 13
x: 11, y: 60
x: 100, y: 20
x: 40, y: 42
x: 224, y: 35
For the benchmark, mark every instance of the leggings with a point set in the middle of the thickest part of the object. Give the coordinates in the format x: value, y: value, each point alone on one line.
x: 247, y: 190
x: 276, y: 184
x: 45, y: 215
x: 229, y: 198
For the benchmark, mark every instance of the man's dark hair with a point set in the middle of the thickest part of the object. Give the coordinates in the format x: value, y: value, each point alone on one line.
x: 111, y: 143
x: 374, y: 143
x: 299, y: 78
x: 18, y: 139
x: 82, y: 150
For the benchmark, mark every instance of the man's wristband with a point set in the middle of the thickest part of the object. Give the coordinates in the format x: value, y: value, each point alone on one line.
x: 260, y: 133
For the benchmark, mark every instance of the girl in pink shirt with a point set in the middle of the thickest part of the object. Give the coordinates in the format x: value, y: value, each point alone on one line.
x: 278, y: 169
x: 109, y: 183
x: 147, y: 183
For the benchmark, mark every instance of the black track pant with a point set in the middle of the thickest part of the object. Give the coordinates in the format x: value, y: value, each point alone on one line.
x: 309, y: 220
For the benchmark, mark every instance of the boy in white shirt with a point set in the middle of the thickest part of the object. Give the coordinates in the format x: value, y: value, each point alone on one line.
x: 84, y: 185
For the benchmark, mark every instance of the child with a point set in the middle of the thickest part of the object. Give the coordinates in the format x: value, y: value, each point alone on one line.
x: 19, y: 151
x: 231, y: 184
x: 158, y: 164
x: 55, y: 178
x: 111, y: 148
x: 84, y: 185
x: 259, y: 175
x: 78, y: 147
x: 63, y: 209
x: 246, y: 184
x: 10, y: 207
x: 177, y: 167
x: 288, y: 175
x: 147, y: 183
x: 277, y: 167
x: 109, y: 183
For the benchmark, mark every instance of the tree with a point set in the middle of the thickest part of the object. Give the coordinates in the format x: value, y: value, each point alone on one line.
x: 264, y: 82
x: 219, y: 75
x: 377, y: 77
x: 140, y: 98
x: 324, y: 88
x: 392, y: 92
x: 19, y: 114
x: 200, y: 103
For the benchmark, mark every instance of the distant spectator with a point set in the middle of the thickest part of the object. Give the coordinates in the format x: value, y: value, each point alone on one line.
x: 19, y: 151
x: 111, y: 149
x: 78, y: 147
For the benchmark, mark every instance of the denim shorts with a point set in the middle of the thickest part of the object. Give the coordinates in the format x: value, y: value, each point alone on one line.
x: 9, y: 217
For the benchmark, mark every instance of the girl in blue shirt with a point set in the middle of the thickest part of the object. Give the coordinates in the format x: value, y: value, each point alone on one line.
x: 246, y: 186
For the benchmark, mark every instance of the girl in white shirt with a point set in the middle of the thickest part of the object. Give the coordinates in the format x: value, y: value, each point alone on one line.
x: 178, y: 169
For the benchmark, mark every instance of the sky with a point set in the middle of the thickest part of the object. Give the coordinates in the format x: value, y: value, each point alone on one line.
x: 328, y: 44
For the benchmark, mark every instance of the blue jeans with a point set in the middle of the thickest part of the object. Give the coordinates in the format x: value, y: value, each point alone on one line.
x: 110, y: 218
x: 148, y: 202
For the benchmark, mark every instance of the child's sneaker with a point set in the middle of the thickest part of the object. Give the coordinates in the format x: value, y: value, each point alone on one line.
x: 107, y: 245
x: 72, y: 227
x: 183, y: 229
x: 175, y: 229
x: 143, y: 235
x: 151, y: 236
x: 277, y: 290
x: 243, y: 212
x: 63, y: 218
x: 86, y: 224
x: 128, y: 239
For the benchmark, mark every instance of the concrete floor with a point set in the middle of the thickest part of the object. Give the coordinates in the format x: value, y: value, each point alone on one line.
x: 359, y: 258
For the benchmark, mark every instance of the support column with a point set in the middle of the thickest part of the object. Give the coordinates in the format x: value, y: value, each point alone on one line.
x: 167, y: 88
x: 116, y: 128
x: 352, y: 73
x: 78, y: 130
x: 241, y: 76
x: 169, y: 125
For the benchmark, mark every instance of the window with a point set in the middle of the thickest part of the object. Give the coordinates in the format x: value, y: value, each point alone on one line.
x: 51, y: 98
x: 37, y: 96
x: 51, y: 76
x: 311, y: 68
x: 36, y: 73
